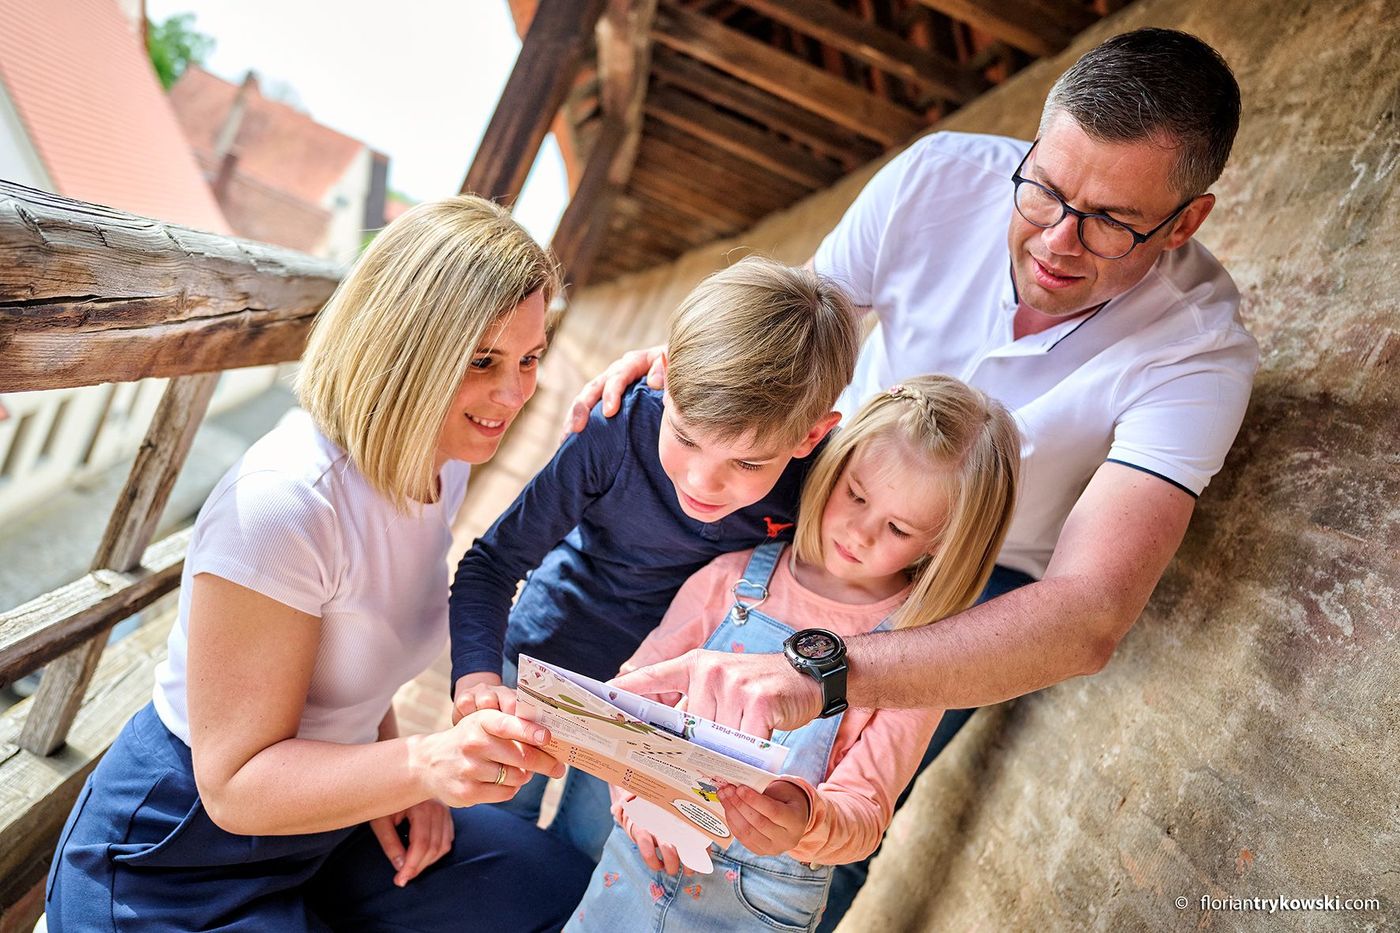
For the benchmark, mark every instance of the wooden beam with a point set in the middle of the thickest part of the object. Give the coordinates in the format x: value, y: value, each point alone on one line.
x: 129, y: 531
x: 91, y: 295
x: 873, y: 45
x: 624, y: 67
x: 1041, y: 27
x: 818, y: 134
x: 584, y: 222
x: 550, y: 57
x: 785, y: 76
x: 44, y: 628
x: 684, y: 112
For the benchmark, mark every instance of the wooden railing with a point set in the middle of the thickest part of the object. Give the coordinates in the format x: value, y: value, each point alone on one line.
x: 90, y: 295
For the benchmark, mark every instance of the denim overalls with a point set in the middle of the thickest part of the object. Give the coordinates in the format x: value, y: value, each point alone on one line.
x: 745, y: 891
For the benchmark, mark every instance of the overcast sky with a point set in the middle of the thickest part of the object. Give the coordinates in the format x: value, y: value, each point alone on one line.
x: 415, y: 79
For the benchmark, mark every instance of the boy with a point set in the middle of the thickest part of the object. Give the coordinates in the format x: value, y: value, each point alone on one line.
x: 632, y: 506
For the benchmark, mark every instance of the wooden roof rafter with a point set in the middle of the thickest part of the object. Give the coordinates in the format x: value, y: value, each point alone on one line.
x: 702, y: 116
x: 624, y: 71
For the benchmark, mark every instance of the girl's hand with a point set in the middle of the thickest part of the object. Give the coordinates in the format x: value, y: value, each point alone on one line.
x: 430, y: 834
x: 482, y: 759
x: 769, y: 823
x: 657, y: 855
x: 618, y: 796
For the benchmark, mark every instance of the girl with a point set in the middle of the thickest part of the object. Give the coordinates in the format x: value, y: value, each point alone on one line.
x: 265, y: 787
x: 900, y: 523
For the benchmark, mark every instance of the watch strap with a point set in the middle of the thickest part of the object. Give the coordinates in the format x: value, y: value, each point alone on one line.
x: 833, y: 684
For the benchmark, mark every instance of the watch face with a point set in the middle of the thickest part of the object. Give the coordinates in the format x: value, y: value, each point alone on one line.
x: 814, y: 646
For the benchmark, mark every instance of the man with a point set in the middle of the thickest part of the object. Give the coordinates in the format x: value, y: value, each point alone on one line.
x: 1115, y: 341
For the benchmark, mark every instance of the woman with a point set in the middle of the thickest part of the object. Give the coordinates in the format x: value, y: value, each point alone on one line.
x: 265, y: 787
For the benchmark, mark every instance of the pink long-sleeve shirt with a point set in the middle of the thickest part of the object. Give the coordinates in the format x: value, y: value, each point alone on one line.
x: 876, y: 751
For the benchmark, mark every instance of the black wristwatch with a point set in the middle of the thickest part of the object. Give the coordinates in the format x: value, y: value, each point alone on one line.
x: 821, y: 655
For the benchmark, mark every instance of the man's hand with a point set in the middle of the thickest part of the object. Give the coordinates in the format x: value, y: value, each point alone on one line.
x: 480, y: 691
x: 769, y: 823
x: 614, y: 380
x: 430, y: 833
x: 755, y: 693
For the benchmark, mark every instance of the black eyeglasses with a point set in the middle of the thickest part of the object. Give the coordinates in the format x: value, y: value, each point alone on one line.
x: 1101, y: 234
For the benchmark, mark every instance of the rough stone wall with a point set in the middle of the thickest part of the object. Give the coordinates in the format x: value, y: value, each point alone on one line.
x: 1243, y: 741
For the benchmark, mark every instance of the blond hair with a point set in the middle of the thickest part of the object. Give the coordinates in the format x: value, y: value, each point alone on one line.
x: 390, y: 348
x: 967, y: 438
x: 761, y: 349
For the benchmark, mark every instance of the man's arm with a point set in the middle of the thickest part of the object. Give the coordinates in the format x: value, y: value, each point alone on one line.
x: 1113, y: 548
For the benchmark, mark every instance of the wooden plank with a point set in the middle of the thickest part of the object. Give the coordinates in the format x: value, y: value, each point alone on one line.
x: 44, y: 628
x: 37, y: 792
x: 544, y: 72
x: 684, y: 112
x: 641, y: 188
x: 816, y: 133
x: 129, y: 531
x: 785, y: 76
x: 676, y: 238
x: 1041, y: 27
x: 722, y: 178
x: 654, y: 215
x: 91, y: 295
x: 680, y: 191
x: 873, y: 45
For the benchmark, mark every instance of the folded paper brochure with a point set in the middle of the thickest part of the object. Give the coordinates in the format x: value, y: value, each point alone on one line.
x: 670, y: 759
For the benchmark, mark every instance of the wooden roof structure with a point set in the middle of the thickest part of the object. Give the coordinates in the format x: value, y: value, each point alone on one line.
x: 685, y: 121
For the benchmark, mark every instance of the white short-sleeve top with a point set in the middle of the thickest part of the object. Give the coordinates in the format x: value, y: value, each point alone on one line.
x: 295, y: 521
x: 1157, y: 379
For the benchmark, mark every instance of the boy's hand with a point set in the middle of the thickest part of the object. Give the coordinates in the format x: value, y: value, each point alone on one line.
x: 430, y: 832
x: 481, y: 691
x: 769, y: 823
x: 613, y: 381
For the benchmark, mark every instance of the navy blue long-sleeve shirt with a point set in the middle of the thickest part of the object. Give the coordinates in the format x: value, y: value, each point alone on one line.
x: 604, y: 542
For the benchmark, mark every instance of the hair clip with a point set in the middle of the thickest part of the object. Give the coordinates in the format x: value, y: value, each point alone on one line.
x: 898, y: 390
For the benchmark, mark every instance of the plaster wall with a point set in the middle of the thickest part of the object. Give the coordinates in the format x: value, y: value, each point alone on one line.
x: 1245, y: 739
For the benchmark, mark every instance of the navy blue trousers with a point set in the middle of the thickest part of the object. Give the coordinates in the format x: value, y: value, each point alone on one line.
x: 140, y: 853
x: 846, y: 880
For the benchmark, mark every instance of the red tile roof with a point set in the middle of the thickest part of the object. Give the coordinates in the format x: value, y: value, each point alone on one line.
x: 93, y: 109
x: 277, y: 145
x: 261, y: 212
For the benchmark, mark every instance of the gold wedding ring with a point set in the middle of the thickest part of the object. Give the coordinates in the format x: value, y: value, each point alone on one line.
x: 500, y: 774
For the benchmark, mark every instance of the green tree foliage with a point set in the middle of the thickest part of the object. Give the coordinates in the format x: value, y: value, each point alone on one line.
x: 174, y: 44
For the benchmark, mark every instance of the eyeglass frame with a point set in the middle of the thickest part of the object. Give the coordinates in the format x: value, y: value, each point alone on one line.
x: 1017, y: 180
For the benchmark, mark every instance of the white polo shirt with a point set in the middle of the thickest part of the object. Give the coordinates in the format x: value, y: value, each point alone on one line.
x: 1157, y: 379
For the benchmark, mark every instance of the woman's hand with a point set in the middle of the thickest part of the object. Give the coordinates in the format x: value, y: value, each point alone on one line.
x: 769, y: 823
x: 430, y: 834
x: 482, y: 759
x: 613, y: 381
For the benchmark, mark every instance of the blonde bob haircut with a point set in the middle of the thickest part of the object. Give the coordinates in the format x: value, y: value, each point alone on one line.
x: 761, y: 349
x: 389, y: 350
x: 971, y: 446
